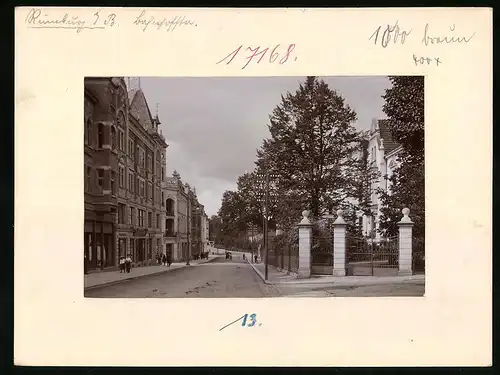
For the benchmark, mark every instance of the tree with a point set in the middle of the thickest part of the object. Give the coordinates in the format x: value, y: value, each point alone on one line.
x: 233, y: 216
x: 404, y: 108
x: 311, y: 146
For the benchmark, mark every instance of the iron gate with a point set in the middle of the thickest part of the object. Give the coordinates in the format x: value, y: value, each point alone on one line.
x: 369, y: 257
x: 322, y: 251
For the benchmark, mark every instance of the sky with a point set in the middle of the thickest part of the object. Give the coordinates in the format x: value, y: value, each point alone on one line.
x: 215, y: 125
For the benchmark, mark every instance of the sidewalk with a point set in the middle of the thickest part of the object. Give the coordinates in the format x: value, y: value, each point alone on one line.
x: 98, y: 279
x: 278, y: 277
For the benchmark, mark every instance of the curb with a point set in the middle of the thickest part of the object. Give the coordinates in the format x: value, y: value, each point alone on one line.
x: 340, y: 283
x: 85, y: 289
x: 259, y: 273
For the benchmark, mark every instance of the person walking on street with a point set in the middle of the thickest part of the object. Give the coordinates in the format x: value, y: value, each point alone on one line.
x: 169, y: 259
x: 85, y: 265
x: 128, y: 263
x: 122, y: 265
x: 164, y: 259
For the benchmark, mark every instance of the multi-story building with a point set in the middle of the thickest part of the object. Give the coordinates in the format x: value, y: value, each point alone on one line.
x: 205, y: 232
x: 178, y: 217
x: 382, y: 155
x: 129, y: 157
x: 100, y: 166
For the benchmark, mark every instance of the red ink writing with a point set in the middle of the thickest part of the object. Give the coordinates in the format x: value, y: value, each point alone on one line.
x: 258, y: 55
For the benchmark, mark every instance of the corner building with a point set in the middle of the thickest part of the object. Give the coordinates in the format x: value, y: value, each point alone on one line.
x: 136, y: 164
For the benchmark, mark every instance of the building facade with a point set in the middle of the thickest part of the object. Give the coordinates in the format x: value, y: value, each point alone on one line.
x: 128, y: 153
x: 100, y: 165
x: 383, y: 155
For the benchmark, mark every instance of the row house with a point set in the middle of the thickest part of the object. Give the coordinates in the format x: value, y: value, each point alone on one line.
x: 133, y: 174
x: 184, y: 221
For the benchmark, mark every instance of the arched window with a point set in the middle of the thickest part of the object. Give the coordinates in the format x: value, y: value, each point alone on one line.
x: 100, y: 135
x: 113, y: 138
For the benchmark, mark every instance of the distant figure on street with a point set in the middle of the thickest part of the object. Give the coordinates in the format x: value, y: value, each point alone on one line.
x: 169, y: 259
x: 164, y: 259
x: 255, y: 258
x: 85, y: 264
x: 122, y: 264
x: 244, y: 256
x: 128, y: 263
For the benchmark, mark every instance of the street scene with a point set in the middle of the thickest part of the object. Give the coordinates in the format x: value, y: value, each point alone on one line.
x: 254, y: 187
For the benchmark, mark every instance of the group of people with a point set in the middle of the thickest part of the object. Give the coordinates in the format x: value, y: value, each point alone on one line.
x: 165, y: 259
x: 125, y: 264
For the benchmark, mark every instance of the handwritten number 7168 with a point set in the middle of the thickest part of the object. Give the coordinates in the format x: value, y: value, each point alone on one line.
x: 259, y: 54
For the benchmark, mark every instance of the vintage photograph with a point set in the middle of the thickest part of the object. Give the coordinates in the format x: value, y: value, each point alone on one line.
x: 235, y: 187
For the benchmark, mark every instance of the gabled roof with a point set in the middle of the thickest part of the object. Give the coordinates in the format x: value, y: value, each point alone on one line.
x: 139, y: 108
x: 385, y: 134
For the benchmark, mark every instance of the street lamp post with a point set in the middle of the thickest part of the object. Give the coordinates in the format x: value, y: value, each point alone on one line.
x: 266, y: 176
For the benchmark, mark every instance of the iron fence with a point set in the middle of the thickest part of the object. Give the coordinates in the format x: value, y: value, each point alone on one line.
x: 418, y: 255
x: 369, y: 257
x: 322, y: 250
x: 284, y: 251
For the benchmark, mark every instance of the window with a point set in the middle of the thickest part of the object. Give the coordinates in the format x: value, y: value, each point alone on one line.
x: 121, y: 176
x: 113, y: 187
x: 87, y: 136
x: 141, y: 188
x: 150, y: 219
x: 121, y: 213
x: 163, y: 199
x: 162, y: 174
x: 150, y: 191
x: 100, y: 135
x: 150, y: 162
x: 157, y: 196
x: 100, y: 178
x: 158, y: 221
x: 113, y: 138
x: 131, y: 181
x: 88, y: 186
x: 121, y: 140
x: 130, y: 215
x: 141, y: 156
x: 131, y: 148
x: 141, y: 218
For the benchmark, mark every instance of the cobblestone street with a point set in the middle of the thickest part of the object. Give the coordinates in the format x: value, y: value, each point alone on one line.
x: 218, y: 279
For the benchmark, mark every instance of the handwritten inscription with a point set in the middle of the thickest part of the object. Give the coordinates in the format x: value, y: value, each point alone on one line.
x: 144, y: 22
x: 428, y: 38
x: 394, y: 34
x: 274, y: 55
x: 247, y: 320
x: 37, y: 19
x: 426, y: 60
x: 391, y: 33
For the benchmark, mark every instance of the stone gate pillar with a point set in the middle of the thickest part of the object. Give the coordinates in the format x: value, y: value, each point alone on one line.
x: 405, y: 244
x: 305, y: 231
x: 339, y: 238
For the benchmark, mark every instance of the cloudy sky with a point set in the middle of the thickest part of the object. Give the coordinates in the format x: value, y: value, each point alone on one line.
x: 214, y: 125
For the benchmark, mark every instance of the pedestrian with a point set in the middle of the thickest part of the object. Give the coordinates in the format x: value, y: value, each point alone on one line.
x: 169, y: 259
x: 122, y: 265
x: 164, y: 259
x: 128, y: 263
x: 255, y: 258
x: 85, y: 265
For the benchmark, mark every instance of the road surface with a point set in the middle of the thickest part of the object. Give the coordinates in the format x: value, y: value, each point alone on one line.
x: 220, y: 278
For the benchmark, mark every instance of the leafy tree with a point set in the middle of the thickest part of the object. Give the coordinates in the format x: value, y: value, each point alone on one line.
x: 404, y: 108
x: 233, y: 216
x: 311, y: 146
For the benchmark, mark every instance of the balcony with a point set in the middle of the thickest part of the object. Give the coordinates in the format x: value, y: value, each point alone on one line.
x: 170, y: 213
x: 169, y: 234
